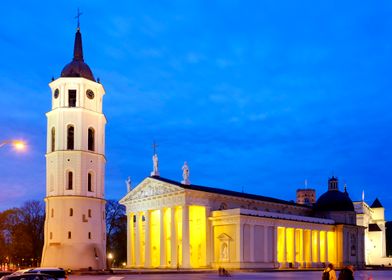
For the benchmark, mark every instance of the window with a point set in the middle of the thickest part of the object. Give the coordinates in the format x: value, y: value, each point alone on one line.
x: 70, y: 137
x: 89, y: 213
x: 89, y: 182
x: 91, y: 138
x: 71, y: 212
x: 69, y: 235
x: 53, y: 139
x: 89, y: 235
x: 69, y: 180
x: 51, y: 235
x: 52, y: 213
x: 72, y: 98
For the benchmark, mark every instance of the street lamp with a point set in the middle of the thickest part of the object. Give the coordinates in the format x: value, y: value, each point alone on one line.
x: 18, y: 145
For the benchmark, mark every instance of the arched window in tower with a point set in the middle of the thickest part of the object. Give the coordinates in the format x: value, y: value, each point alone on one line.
x: 53, y: 139
x: 90, y: 182
x: 70, y: 137
x: 69, y: 180
x: 91, y: 139
x: 72, y: 98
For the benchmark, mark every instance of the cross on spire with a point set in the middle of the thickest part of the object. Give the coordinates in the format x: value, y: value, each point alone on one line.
x: 78, y: 17
x: 154, y: 146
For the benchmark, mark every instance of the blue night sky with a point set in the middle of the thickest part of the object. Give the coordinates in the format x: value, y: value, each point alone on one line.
x: 255, y: 95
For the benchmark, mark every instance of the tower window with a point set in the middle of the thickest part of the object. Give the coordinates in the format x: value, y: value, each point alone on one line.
x: 53, y: 139
x: 52, y: 213
x: 69, y: 235
x: 69, y: 180
x: 90, y: 182
x: 89, y: 213
x: 72, y: 98
x: 91, y: 139
x: 71, y: 212
x: 70, y: 137
x: 51, y: 235
x: 89, y: 235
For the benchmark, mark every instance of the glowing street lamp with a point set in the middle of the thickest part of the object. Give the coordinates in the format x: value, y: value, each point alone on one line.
x: 18, y: 145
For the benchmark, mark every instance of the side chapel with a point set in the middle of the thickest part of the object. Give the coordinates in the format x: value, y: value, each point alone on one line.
x: 179, y: 225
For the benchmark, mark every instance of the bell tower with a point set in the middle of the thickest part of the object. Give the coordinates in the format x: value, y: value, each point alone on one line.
x: 75, y: 228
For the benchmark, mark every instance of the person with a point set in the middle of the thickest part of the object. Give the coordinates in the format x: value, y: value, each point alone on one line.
x: 347, y: 273
x: 329, y: 273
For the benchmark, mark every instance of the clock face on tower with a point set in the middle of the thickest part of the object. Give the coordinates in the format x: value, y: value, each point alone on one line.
x: 90, y: 94
x: 56, y: 93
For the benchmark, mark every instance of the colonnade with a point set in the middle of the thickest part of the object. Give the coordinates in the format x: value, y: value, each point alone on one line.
x: 162, y: 237
x: 300, y: 247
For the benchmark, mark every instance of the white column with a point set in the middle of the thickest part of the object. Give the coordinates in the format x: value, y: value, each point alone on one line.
x: 318, y: 246
x: 252, y: 242
x: 185, y: 237
x: 173, y: 238
x: 267, y: 244
x: 137, y: 240
x: 209, y: 238
x: 162, y: 238
x: 130, y: 245
x: 275, y: 245
x: 239, y: 242
x: 326, y: 246
x: 147, y: 254
x: 294, y: 247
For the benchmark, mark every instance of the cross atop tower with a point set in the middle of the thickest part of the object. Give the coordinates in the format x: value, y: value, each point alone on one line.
x: 154, y: 146
x: 78, y: 17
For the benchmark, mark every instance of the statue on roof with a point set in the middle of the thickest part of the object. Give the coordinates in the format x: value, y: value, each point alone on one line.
x: 128, y: 183
x: 185, y: 174
x: 155, y: 171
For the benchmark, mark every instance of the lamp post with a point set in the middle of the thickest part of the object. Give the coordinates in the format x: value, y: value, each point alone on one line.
x: 18, y: 145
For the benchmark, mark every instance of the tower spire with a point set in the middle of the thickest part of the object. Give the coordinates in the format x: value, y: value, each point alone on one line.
x: 78, y: 47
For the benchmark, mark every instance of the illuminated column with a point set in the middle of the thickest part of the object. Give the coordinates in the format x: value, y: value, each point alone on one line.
x: 275, y: 245
x: 147, y: 254
x: 137, y: 240
x: 185, y: 237
x: 173, y: 237
x: 130, y: 245
x: 163, y: 238
x: 209, y: 234
x: 239, y: 242
x: 326, y: 246
x: 267, y: 243
x: 294, y: 247
x: 284, y: 246
x: 252, y: 242
x: 318, y: 246
x: 311, y: 247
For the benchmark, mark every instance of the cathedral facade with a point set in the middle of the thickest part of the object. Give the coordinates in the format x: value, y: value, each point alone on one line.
x: 179, y: 225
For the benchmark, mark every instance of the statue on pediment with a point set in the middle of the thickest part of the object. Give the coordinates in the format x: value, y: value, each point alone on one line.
x: 185, y: 174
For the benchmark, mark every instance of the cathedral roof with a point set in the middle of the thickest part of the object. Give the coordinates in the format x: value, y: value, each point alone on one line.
x: 334, y: 200
x: 77, y: 67
x: 227, y: 192
x: 376, y: 204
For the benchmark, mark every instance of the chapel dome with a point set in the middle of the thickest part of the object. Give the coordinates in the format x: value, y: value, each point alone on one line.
x: 77, y: 67
x: 334, y: 200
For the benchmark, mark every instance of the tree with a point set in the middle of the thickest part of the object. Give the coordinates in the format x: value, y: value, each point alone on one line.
x: 116, y: 231
x: 21, y: 234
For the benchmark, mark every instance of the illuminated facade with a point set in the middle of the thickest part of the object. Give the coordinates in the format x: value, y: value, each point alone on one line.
x: 174, y: 225
x: 373, y: 219
x: 75, y: 232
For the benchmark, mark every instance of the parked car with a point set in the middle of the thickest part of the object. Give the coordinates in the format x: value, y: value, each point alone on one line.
x: 29, y: 276
x: 55, y: 272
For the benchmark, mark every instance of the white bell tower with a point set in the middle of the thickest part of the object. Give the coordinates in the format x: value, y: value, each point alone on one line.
x: 75, y: 228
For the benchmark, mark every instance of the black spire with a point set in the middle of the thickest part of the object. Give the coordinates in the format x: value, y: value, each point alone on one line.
x: 78, y: 47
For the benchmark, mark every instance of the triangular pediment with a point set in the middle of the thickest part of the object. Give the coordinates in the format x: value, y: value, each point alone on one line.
x: 224, y: 237
x: 150, y: 187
